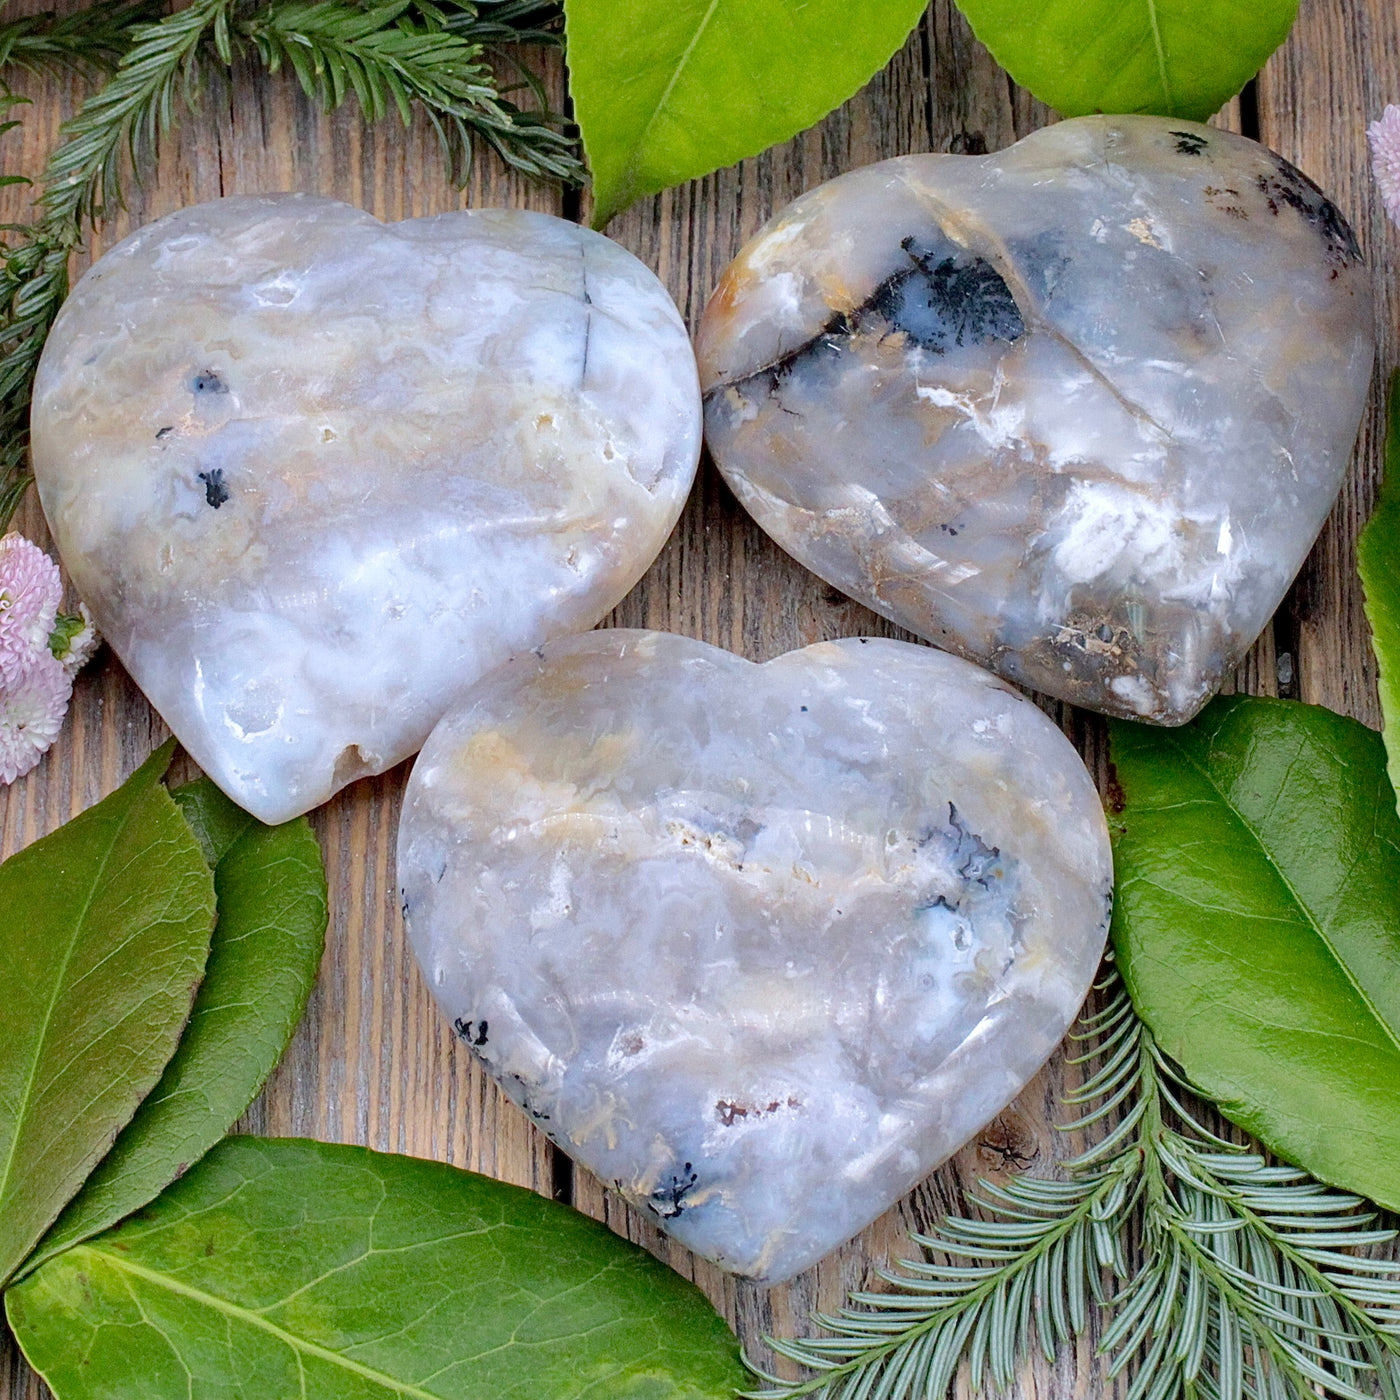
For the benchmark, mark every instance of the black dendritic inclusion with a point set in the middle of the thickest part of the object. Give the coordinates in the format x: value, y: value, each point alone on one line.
x: 669, y: 1201
x: 945, y: 299
x: 1286, y: 187
x: 1289, y: 186
x: 473, y: 1032
x: 942, y: 302
x: 977, y: 863
x: 215, y: 492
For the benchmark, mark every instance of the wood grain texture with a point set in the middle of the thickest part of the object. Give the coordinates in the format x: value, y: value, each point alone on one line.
x: 374, y: 1062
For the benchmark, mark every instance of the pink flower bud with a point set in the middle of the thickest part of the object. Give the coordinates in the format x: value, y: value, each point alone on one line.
x: 30, y: 591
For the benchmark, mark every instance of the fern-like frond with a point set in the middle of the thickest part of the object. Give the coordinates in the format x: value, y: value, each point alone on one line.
x: 1250, y: 1279
x: 95, y: 37
x: 505, y: 21
x: 395, y: 55
x: 990, y: 1289
x: 123, y: 120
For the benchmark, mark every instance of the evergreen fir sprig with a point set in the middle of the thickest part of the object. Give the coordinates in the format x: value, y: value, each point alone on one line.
x: 393, y: 56
x: 94, y: 37
x: 507, y: 21
x: 122, y: 121
x: 9, y: 100
x: 1214, y: 1273
x: 396, y: 54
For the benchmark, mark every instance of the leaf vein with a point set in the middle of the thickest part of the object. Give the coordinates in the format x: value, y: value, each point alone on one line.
x: 1391, y: 1032
x: 1157, y: 43
x: 230, y: 1310
x: 41, y: 1039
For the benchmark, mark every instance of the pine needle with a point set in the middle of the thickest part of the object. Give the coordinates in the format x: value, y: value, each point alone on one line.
x: 395, y: 56
x: 94, y: 37
x: 1250, y: 1283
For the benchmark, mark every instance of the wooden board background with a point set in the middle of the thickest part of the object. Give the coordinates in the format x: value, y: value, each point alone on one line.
x: 374, y: 1062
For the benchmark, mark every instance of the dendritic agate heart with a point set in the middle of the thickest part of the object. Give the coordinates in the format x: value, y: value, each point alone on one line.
x: 313, y: 474
x: 1076, y: 410
x: 760, y: 945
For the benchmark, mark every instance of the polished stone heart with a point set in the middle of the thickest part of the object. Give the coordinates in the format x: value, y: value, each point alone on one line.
x: 313, y: 474
x: 1076, y: 409
x: 759, y: 945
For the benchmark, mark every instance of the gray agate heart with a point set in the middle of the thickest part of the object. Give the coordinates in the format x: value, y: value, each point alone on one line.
x: 1076, y: 409
x: 313, y: 474
x: 759, y: 945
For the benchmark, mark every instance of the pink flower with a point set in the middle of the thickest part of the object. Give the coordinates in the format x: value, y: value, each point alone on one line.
x: 31, y: 714
x: 41, y: 650
x: 30, y: 591
x: 1384, y: 136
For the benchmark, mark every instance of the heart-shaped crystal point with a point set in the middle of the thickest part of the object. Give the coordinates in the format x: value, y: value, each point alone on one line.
x: 313, y: 473
x: 759, y: 945
x: 1076, y: 409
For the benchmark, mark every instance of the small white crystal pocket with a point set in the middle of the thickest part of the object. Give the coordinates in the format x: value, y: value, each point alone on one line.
x: 313, y: 473
x: 759, y: 945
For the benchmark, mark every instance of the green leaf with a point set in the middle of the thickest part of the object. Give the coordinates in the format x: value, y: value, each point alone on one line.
x: 1378, y: 561
x: 666, y: 90
x: 217, y: 823
x: 1257, y: 924
x: 288, y: 1268
x: 104, y: 932
x: 262, y: 963
x: 1178, y: 58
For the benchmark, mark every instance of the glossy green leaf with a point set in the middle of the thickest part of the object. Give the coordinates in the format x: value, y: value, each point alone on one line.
x: 667, y: 90
x: 1178, y: 58
x: 104, y: 931
x: 262, y: 963
x: 1378, y: 561
x: 1257, y: 925
x: 300, y: 1269
x: 217, y: 822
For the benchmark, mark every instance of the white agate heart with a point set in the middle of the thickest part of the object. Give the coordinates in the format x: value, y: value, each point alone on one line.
x: 313, y: 474
x: 1076, y: 409
x: 759, y: 945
